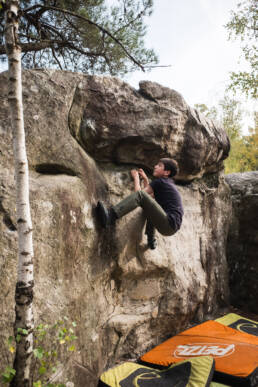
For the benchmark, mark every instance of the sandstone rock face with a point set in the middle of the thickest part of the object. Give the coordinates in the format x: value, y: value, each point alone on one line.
x: 242, y: 248
x: 84, y: 134
x: 116, y: 123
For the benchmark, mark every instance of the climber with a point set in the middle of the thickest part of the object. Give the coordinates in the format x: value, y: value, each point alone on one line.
x: 160, y: 200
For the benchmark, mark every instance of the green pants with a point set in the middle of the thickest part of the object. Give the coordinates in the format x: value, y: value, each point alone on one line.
x: 152, y: 210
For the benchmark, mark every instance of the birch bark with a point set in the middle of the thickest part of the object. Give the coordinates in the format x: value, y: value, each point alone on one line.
x: 24, y: 285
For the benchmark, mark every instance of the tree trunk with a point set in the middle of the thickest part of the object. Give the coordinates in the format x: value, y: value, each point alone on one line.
x: 24, y: 324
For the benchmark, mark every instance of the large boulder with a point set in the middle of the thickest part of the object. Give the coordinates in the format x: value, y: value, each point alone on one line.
x: 84, y: 134
x: 242, y: 247
x: 113, y: 122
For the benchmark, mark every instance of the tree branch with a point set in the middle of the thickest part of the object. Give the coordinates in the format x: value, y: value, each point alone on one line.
x: 32, y: 8
x: 43, y: 44
x: 54, y: 55
x: 62, y: 42
x: 132, y: 21
x: 64, y: 11
x: 26, y: 47
x: 154, y: 66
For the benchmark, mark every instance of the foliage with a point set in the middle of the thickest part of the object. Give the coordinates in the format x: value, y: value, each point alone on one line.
x: 211, y: 113
x: 231, y: 117
x: 83, y: 35
x: 1, y: 4
x: 243, y: 25
x: 8, y: 374
x: 51, y: 342
x: 243, y: 155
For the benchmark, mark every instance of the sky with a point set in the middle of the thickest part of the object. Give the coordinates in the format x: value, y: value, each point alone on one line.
x: 190, y: 37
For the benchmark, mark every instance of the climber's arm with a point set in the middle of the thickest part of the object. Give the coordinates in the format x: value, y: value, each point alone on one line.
x: 147, y: 187
x: 149, y: 190
x: 144, y: 177
x: 137, y: 186
x: 136, y: 179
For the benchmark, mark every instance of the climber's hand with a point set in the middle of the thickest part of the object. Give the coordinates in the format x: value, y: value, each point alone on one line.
x: 142, y: 174
x: 135, y: 174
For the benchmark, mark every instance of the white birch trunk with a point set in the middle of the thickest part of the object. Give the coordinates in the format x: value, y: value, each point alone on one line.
x: 24, y: 285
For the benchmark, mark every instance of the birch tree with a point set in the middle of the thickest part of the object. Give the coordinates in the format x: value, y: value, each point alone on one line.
x: 45, y: 30
x: 67, y: 34
x: 23, y: 327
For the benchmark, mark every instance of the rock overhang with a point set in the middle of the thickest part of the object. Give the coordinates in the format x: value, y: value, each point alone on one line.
x: 113, y: 122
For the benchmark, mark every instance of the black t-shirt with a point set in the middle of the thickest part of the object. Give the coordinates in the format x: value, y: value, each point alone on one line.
x: 168, y: 197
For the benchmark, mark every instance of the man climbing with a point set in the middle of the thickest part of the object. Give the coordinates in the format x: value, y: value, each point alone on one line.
x: 160, y: 200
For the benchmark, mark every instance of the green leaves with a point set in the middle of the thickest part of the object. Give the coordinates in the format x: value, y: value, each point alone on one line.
x: 93, y: 36
x: 246, y: 82
x: 1, y: 4
x: 8, y: 374
x: 52, y: 343
x: 38, y: 352
x: 23, y: 331
x: 11, y: 344
x: 243, y: 154
x: 42, y: 370
x: 243, y: 25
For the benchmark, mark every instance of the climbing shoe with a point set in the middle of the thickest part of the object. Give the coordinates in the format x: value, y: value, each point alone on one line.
x: 152, y: 243
x: 106, y: 216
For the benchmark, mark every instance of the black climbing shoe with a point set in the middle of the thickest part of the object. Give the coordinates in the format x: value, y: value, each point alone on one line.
x: 152, y: 243
x: 106, y: 216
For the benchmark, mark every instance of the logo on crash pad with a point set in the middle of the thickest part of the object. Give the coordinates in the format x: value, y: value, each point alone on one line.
x: 204, y: 349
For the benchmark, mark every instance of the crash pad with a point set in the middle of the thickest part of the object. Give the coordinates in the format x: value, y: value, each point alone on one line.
x: 196, y: 372
x: 235, y: 353
x: 240, y: 323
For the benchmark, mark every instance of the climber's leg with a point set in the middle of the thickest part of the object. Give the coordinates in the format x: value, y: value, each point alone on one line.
x: 150, y: 232
x: 107, y: 217
x: 152, y: 210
